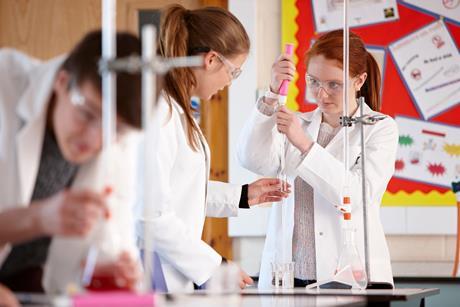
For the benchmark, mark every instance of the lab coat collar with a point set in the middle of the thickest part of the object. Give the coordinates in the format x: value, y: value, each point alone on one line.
x: 315, y: 117
x: 34, y: 100
x: 314, y: 120
x: 31, y: 109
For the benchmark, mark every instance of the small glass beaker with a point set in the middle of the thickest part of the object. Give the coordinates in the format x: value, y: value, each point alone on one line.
x: 283, y: 275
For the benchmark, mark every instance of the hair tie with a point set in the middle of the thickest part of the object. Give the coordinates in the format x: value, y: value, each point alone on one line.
x: 187, y: 14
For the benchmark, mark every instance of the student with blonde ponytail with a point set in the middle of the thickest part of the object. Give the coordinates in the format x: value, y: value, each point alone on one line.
x: 314, y: 161
x: 182, y: 187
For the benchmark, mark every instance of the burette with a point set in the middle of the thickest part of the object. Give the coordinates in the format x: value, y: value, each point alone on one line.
x: 283, y: 91
x: 345, y: 95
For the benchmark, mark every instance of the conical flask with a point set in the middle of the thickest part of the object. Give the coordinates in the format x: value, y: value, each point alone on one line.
x: 349, y: 258
x: 111, y: 242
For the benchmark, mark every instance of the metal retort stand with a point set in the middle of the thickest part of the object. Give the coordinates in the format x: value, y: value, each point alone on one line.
x: 362, y: 120
x: 149, y: 64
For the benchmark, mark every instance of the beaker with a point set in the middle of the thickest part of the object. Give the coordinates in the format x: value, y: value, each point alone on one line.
x: 282, y: 275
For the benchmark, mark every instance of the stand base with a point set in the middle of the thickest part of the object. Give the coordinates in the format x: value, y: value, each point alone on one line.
x: 335, y: 285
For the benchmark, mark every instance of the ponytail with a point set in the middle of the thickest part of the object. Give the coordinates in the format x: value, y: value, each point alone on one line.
x: 371, y: 88
x: 190, y: 32
x: 173, y: 42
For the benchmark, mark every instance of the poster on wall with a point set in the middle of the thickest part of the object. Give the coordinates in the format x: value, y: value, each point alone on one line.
x: 429, y: 63
x: 328, y: 14
x: 428, y: 152
x: 447, y: 8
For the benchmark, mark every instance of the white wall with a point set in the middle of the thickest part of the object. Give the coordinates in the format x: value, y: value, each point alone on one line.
x: 242, y: 97
x: 242, y: 93
x: 421, y: 253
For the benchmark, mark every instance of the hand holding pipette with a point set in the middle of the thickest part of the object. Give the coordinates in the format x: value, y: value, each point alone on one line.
x: 283, y: 71
x: 283, y: 90
x: 289, y: 124
x: 286, y: 120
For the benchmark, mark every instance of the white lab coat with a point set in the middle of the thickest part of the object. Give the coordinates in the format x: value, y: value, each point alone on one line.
x: 25, y: 89
x: 322, y: 168
x: 184, y: 197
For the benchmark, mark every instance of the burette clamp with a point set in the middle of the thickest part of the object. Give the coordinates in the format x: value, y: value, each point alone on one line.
x: 366, y: 119
x: 347, y: 121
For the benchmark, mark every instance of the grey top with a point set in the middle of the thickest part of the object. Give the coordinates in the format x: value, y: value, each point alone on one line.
x: 54, y: 174
x: 303, y: 241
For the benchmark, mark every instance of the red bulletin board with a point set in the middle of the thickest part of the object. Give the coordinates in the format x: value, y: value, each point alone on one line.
x: 396, y: 98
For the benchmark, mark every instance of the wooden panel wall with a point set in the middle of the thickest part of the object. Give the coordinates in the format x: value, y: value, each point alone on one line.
x: 214, y: 123
x: 47, y: 28
x: 215, y: 127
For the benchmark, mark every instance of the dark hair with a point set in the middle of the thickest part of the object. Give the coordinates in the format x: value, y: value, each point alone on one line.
x: 188, y: 32
x: 82, y: 65
x: 330, y: 45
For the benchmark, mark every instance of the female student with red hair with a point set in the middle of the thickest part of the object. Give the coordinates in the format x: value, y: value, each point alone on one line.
x: 314, y: 161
